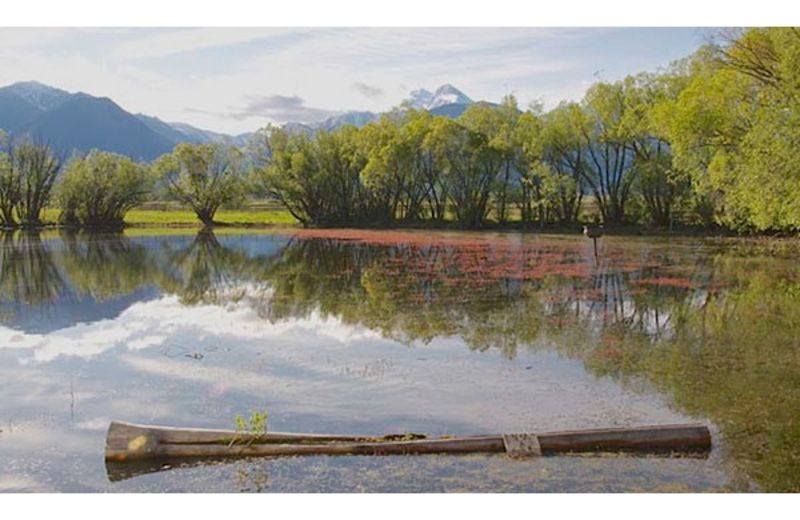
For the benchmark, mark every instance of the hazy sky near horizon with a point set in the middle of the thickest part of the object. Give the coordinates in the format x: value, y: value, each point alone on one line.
x: 236, y: 80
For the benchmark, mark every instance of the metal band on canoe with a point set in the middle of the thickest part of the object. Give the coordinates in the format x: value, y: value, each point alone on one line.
x: 522, y: 445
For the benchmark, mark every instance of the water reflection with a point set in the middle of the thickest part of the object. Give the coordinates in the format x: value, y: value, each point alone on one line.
x: 713, y: 327
x: 105, y: 267
x: 207, y: 272
x: 28, y: 274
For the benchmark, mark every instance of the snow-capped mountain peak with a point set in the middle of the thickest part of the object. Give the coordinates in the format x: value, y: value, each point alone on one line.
x: 445, y: 95
x: 445, y: 101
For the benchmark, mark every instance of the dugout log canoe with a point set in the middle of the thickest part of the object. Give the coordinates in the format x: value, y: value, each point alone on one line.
x: 127, y: 442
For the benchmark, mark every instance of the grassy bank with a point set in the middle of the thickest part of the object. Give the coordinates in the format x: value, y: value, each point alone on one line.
x: 267, y: 215
x: 176, y: 217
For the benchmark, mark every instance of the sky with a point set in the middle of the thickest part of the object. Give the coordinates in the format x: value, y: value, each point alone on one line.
x: 236, y: 80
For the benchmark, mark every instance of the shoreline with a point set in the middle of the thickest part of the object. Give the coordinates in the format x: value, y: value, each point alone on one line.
x: 615, y: 231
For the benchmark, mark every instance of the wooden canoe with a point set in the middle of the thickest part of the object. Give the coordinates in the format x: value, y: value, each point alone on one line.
x: 127, y: 441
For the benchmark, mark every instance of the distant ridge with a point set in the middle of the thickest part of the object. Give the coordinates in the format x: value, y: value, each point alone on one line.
x: 84, y: 122
x: 445, y: 101
x: 77, y: 123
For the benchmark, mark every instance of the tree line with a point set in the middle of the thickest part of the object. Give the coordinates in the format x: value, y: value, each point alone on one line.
x: 99, y: 188
x: 708, y: 141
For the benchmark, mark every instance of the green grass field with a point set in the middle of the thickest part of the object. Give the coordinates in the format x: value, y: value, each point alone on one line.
x: 255, y: 214
x: 173, y: 217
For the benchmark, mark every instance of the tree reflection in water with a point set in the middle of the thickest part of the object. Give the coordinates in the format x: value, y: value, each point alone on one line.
x: 29, y: 277
x: 713, y: 326
x: 106, y: 266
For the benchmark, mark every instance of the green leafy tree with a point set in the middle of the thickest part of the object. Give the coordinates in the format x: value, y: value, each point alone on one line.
x: 504, y: 137
x: 341, y: 158
x: 566, y: 152
x: 662, y: 185
x: 205, y: 177
x: 9, y: 188
x: 736, y: 127
x: 319, y: 178
x: 417, y: 132
x: 398, y: 164
x: 285, y: 172
x: 546, y: 193
x: 28, y: 172
x: 608, y: 141
x: 38, y: 170
x: 99, y: 189
x: 471, y: 163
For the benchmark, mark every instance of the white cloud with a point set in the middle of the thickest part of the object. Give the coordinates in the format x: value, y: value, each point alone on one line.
x: 178, y: 41
x: 197, y: 75
x: 279, y: 108
x: 368, y: 90
x: 16, y: 38
x: 21, y: 36
x: 165, y: 322
x: 10, y: 482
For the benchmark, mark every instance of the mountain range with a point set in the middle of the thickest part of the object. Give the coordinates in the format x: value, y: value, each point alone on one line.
x: 79, y: 122
x: 444, y: 101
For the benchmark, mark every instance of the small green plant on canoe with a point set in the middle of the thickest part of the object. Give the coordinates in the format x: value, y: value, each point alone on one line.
x: 255, y: 425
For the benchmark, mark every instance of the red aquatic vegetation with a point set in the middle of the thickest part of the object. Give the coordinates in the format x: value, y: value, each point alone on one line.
x: 388, y: 237
x: 464, y: 259
x: 446, y: 268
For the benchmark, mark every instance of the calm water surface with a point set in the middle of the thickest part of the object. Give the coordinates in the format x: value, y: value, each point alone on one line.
x: 383, y: 332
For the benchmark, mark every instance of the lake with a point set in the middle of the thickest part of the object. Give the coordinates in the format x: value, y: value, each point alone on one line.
x: 375, y: 332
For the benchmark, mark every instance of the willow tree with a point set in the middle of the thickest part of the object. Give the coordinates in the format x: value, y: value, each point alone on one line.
x: 30, y: 172
x: 99, y: 189
x: 470, y: 160
x: 417, y: 132
x: 565, y: 153
x: 609, y: 172
x: 592, y: 141
x: 9, y: 188
x: 737, y: 126
x: 546, y: 194
x: 341, y: 158
x: 649, y: 99
x: 499, y: 154
x: 318, y: 178
x: 203, y: 176
x: 764, y: 168
x: 399, y: 166
x: 389, y: 171
x: 38, y: 169
x: 285, y: 173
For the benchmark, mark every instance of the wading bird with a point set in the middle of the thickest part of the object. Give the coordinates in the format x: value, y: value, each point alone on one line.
x: 593, y: 232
